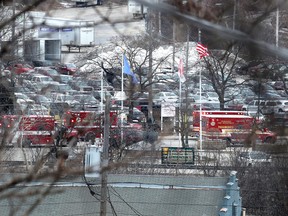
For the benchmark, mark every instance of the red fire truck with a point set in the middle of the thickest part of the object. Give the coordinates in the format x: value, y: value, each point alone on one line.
x: 32, y: 130
x: 196, y: 117
x: 90, y: 125
x: 234, y: 128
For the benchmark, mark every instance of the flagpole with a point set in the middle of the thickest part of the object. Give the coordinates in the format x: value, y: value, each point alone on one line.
x: 203, y: 51
x: 101, y: 105
x: 122, y: 97
x: 179, y: 112
x: 200, y: 108
x: 180, y: 98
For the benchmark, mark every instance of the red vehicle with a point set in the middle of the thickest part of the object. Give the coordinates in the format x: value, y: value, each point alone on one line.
x: 20, y: 68
x: 234, y: 128
x: 30, y: 130
x: 196, y: 116
x: 90, y: 125
x: 66, y: 68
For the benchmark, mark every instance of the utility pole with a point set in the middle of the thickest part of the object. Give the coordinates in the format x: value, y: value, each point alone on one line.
x: 150, y: 61
x: 186, y: 90
x: 277, y: 26
x: 105, y: 162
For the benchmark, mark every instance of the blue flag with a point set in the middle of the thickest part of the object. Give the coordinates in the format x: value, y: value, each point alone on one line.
x: 127, y: 70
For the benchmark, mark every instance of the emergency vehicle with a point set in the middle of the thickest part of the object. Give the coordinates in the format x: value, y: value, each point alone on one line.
x: 196, y: 117
x: 28, y: 130
x: 90, y: 125
x: 235, y: 129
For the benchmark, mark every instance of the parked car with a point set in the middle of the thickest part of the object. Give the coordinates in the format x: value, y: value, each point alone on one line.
x: 161, y: 97
x: 48, y: 71
x: 65, y: 78
x: 207, y: 105
x: 97, y: 95
x: 42, y: 100
x: 42, y: 79
x: 86, y: 100
x: 247, y: 94
x: 207, y: 88
x: 19, y: 68
x: 186, y: 102
x: 253, y: 108
x: 22, y: 98
x: 281, y: 106
x: 60, y: 88
x: 66, y: 68
x: 42, y: 63
x: 159, y: 87
x: 63, y: 98
x: 37, y: 109
x: 96, y: 84
x: 137, y: 115
x: 266, y: 107
x: 37, y: 88
x: 163, y: 78
x: 26, y: 76
x: 254, y: 158
x: 279, y: 85
x: 23, y: 89
x: 22, y: 102
x: 80, y: 85
x: 210, y: 96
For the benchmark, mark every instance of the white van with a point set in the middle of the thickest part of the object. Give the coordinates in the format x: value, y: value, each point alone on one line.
x: 252, y: 108
x: 281, y: 106
x: 266, y: 107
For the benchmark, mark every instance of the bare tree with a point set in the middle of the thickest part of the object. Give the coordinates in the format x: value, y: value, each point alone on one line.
x: 219, y: 70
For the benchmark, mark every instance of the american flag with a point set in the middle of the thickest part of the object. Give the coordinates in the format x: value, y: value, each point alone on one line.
x: 202, y: 50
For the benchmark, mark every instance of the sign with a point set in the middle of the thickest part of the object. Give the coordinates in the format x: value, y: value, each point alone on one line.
x: 66, y: 29
x: 176, y: 155
x: 48, y: 29
x: 167, y: 110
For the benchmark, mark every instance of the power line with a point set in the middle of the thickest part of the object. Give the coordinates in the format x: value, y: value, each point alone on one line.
x: 119, y: 196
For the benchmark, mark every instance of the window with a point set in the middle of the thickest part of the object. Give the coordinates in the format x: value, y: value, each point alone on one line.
x: 271, y: 103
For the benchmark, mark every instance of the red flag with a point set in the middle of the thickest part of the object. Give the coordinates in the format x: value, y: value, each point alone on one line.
x: 202, y: 50
x: 181, y: 71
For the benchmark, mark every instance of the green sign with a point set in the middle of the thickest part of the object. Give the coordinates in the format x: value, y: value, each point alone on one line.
x: 175, y: 155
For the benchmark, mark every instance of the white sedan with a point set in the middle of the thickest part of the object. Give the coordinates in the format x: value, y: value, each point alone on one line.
x: 161, y: 97
x: 210, y: 96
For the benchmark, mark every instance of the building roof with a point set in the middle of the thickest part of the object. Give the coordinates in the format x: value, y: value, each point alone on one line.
x: 131, y: 195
